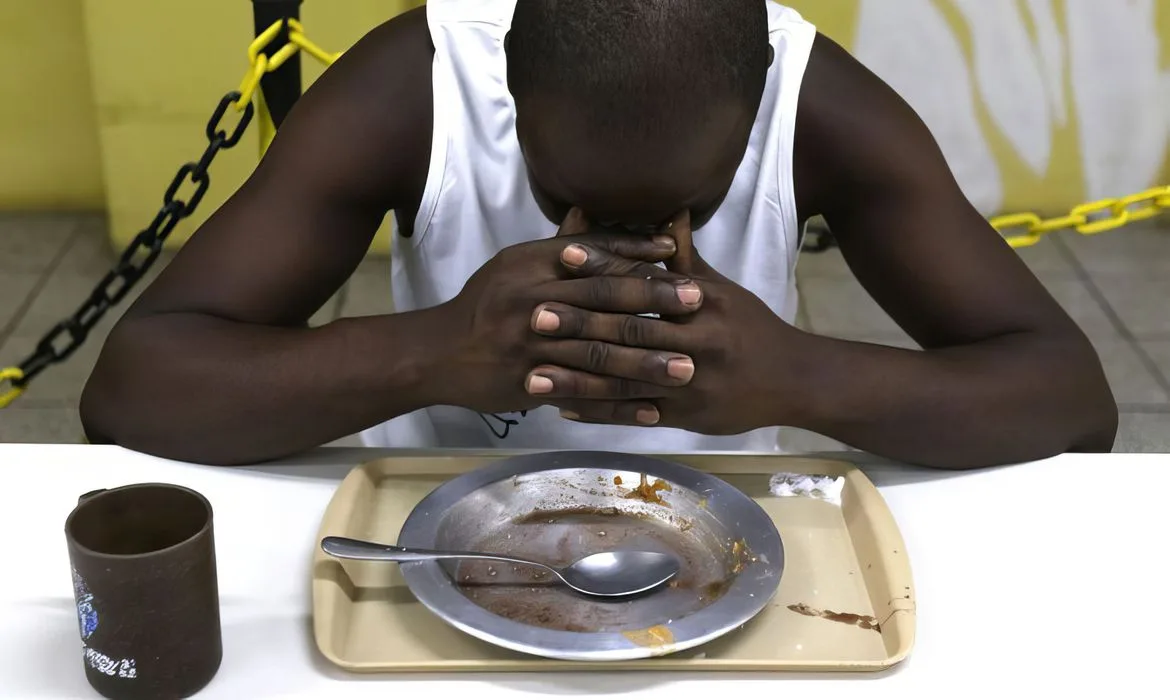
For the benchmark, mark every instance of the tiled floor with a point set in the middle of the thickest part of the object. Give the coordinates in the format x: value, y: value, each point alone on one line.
x: 1115, y: 285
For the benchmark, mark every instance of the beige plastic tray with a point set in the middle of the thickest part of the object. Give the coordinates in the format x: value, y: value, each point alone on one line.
x: 845, y: 602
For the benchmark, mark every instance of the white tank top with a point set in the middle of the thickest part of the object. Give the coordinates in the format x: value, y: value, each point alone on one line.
x: 477, y: 201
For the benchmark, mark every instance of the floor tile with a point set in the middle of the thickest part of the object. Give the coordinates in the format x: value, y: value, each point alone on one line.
x: 29, y: 243
x: 840, y: 307
x: 829, y: 263
x: 15, y: 288
x: 1130, y: 379
x: 40, y: 425
x: 1140, y: 300
x: 1159, y: 352
x: 91, y: 253
x: 1137, y: 247
x: 1079, y: 302
x: 1143, y: 432
x: 1047, y: 256
x: 368, y: 292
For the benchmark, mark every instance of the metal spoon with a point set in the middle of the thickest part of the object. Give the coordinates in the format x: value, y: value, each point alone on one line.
x: 609, y: 574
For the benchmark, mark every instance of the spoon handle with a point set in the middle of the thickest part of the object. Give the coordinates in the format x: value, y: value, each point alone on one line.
x: 346, y: 548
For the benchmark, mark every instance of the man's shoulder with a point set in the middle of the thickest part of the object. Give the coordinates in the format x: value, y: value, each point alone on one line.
x: 374, y: 104
x: 400, y: 45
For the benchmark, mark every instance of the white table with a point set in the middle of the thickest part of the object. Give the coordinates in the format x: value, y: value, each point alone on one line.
x: 1050, y: 576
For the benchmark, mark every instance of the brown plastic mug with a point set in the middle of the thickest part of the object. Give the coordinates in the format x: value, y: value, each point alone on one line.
x: 144, y: 579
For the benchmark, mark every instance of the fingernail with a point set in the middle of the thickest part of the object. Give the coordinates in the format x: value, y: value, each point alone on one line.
x: 681, y: 368
x: 569, y: 415
x: 647, y: 416
x: 547, y: 321
x: 664, y: 241
x: 689, y: 293
x: 574, y: 256
x: 539, y: 385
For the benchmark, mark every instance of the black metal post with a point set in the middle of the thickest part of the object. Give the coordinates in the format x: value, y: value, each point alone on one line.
x: 282, y: 87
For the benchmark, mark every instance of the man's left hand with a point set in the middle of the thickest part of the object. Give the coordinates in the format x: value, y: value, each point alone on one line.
x: 737, y: 352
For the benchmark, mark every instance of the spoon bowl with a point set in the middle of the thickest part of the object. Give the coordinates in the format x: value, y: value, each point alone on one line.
x: 604, y: 574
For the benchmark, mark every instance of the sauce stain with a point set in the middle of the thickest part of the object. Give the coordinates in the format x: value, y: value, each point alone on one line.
x: 648, y: 493
x: 865, y: 622
x: 656, y: 636
x: 741, y: 556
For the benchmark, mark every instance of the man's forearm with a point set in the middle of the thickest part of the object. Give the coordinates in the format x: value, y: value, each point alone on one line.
x: 203, y: 389
x: 1011, y: 399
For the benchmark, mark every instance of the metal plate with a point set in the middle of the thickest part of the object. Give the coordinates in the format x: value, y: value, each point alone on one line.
x: 558, y: 507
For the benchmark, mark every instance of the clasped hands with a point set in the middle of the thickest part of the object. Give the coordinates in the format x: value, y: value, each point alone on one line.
x: 565, y: 322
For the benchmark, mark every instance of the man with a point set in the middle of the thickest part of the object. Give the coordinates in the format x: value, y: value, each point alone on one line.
x: 541, y: 159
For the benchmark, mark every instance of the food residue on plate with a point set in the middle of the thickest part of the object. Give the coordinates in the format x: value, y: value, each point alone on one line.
x: 656, y: 636
x: 742, y: 556
x: 647, y: 492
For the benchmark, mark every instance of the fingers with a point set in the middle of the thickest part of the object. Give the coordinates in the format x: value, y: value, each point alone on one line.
x: 626, y: 295
x: 550, y: 382
x: 680, y: 230
x: 587, y: 260
x: 658, y: 367
x: 626, y: 245
x: 574, y: 224
x: 638, y: 413
x: 561, y: 321
x: 688, y: 261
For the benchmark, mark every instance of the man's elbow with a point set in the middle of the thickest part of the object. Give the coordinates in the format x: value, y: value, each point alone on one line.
x: 106, y: 407
x: 1093, y: 404
x: 99, y: 406
x: 1101, y: 433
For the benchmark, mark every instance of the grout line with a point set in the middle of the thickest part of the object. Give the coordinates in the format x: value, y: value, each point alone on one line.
x: 31, y: 298
x: 1114, y: 318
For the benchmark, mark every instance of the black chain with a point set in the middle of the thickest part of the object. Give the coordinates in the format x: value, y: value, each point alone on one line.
x: 68, y: 335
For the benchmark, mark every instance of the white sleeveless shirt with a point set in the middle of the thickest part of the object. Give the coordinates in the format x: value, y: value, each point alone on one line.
x: 477, y: 201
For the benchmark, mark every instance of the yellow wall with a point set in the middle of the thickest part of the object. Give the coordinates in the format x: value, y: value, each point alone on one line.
x: 49, y: 156
x: 87, y: 121
x: 151, y: 114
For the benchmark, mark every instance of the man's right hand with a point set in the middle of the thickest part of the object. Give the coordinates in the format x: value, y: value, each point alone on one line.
x: 496, y: 355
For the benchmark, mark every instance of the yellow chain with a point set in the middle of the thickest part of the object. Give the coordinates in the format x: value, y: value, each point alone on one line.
x: 1028, y: 229
x: 259, y: 64
x: 12, y: 375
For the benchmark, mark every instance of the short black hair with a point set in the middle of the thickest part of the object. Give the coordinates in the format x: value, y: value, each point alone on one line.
x: 640, y: 68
